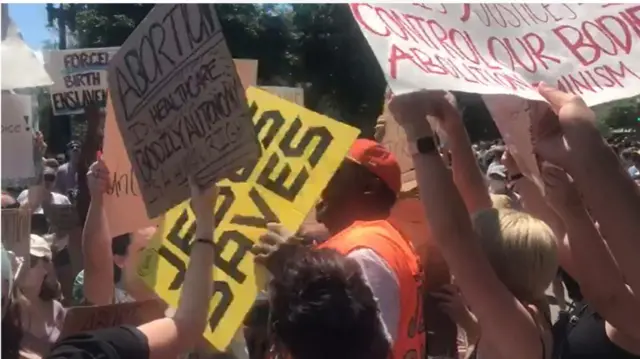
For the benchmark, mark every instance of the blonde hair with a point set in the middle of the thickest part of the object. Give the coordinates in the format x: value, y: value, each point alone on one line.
x: 502, y: 201
x: 521, y: 249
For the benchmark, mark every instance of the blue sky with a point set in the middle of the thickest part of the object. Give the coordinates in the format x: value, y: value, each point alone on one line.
x: 32, y: 22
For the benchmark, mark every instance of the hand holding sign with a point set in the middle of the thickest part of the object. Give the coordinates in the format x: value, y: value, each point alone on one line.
x: 203, y: 204
x: 275, y: 247
x: 98, y: 179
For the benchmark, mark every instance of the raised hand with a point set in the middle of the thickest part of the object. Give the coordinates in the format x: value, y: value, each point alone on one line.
x: 275, y: 246
x: 98, y: 179
x: 559, y: 190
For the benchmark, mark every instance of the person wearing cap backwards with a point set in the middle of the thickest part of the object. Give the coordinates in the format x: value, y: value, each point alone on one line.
x: 354, y: 207
x: 67, y: 173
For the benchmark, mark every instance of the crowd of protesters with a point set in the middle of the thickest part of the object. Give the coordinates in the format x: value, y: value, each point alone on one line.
x: 457, y: 264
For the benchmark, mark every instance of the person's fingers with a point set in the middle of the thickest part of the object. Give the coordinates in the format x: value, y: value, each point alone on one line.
x: 263, y: 249
x: 554, y: 96
x: 271, y: 238
x: 279, y: 229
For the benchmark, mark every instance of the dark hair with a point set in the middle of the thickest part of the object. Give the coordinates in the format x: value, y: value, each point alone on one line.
x: 39, y: 224
x: 50, y: 289
x: 119, y: 247
x: 12, y: 332
x: 322, y: 308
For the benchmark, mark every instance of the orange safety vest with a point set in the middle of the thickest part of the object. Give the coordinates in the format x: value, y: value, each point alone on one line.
x: 387, y: 242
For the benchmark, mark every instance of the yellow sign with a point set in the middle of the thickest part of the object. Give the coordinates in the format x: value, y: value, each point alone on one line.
x: 300, y: 152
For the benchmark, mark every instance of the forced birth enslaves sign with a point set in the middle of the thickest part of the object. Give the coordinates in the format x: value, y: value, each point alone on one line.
x: 179, y: 104
x: 79, y: 78
x: 301, y: 152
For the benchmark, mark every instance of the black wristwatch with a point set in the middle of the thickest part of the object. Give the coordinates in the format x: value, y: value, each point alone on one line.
x: 515, y: 177
x: 424, y: 145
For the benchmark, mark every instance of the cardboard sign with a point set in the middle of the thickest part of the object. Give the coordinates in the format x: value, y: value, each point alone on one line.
x: 588, y: 49
x: 247, y: 71
x: 17, y: 139
x: 63, y: 217
x: 291, y: 94
x: 82, y: 319
x: 79, y: 78
x: 301, y: 151
x: 124, y: 194
x: 16, y: 232
x: 179, y: 104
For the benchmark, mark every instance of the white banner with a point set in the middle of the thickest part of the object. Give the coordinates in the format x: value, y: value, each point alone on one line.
x: 17, y: 139
x: 589, y: 49
x: 79, y: 78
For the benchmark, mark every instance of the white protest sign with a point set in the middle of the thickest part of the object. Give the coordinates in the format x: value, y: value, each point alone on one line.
x: 291, y: 94
x: 79, y: 78
x: 588, y: 49
x: 179, y: 104
x: 17, y: 139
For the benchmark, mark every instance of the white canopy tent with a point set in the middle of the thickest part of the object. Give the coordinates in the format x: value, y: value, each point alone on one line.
x: 21, y: 67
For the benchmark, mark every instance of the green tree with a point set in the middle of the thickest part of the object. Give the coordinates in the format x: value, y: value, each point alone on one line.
x: 342, y: 76
x: 623, y: 114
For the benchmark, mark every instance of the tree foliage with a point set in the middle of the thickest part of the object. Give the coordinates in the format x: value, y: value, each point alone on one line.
x: 623, y: 114
x: 316, y: 46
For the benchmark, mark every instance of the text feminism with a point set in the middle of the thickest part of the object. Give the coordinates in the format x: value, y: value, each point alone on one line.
x: 179, y: 104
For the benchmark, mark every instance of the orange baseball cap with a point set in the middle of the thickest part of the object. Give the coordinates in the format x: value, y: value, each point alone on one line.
x: 378, y: 160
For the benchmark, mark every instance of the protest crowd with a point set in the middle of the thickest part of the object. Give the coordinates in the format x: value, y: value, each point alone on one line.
x: 413, y: 244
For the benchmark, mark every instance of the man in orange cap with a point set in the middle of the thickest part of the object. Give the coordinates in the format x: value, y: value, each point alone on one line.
x: 354, y: 207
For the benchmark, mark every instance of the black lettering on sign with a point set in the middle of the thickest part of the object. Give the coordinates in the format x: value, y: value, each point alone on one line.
x: 277, y: 185
x: 243, y: 174
x: 223, y: 290
x: 201, y: 123
x: 243, y: 246
x: 182, y: 242
x: 275, y: 120
x: 177, y: 263
x: 86, y: 79
x: 162, y: 50
x: 122, y: 184
x: 258, y: 222
x: 321, y: 133
x: 69, y: 101
x: 86, y: 60
x: 228, y: 197
x: 11, y: 128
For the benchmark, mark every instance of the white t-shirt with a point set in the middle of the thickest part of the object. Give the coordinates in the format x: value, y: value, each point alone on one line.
x: 385, y: 288
x: 57, y: 198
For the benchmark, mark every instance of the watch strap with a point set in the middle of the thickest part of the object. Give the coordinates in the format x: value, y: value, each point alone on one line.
x: 423, y: 145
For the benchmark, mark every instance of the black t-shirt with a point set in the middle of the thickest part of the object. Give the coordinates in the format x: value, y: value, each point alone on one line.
x: 110, y: 343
